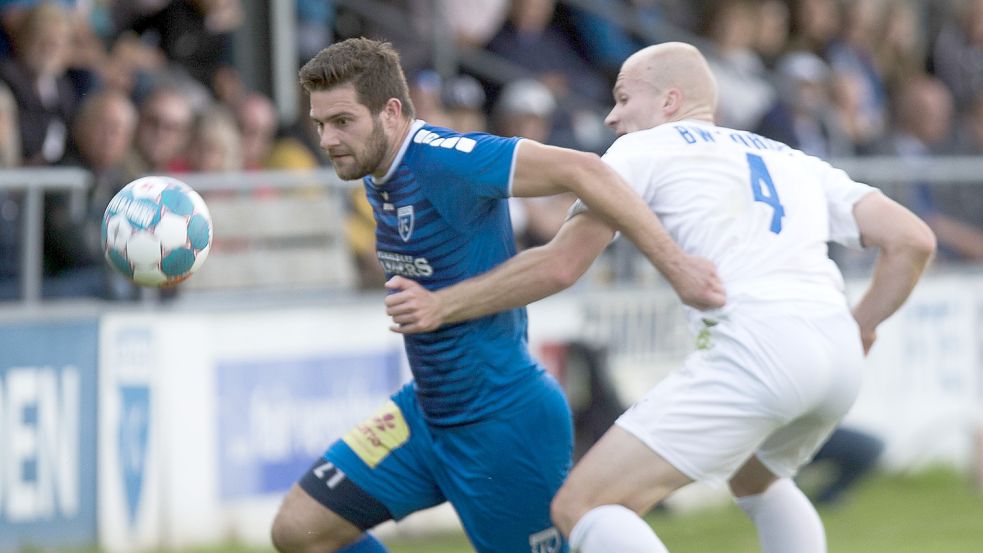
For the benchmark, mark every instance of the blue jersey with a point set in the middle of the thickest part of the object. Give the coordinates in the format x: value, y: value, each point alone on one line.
x: 442, y: 217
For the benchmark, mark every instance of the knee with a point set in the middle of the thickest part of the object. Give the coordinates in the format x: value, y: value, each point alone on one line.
x: 284, y: 536
x: 566, y: 510
x: 288, y: 536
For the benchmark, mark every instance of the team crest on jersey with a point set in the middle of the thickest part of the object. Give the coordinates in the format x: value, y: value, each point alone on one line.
x: 545, y: 541
x: 404, y: 216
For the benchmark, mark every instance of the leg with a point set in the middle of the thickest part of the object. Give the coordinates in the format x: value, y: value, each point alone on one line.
x: 617, y: 479
x: 373, y: 474
x: 501, y: 473
x: 782, y: 514
x: 854, y: 454
x: 304, y: 525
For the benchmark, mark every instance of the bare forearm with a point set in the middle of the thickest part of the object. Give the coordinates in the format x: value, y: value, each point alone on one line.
x: 521, y: 281
x: 895, y: 276
x: 622, y: 208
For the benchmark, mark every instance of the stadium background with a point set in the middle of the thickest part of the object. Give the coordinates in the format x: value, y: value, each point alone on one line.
x: 134, y: 419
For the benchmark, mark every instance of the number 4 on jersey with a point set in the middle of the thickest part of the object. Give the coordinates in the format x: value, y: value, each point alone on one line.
x: 759, y: 176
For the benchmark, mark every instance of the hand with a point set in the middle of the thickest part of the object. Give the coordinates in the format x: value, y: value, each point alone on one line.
x: 698, y: 284
x: 413, y: 308
x: 868, y: 338
x: 867, y: 334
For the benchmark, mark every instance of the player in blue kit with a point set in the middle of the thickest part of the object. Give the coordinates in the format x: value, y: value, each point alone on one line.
x: 481, y: 424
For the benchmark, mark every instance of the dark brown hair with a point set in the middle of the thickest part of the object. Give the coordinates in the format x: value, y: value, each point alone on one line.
x: 371, y: 66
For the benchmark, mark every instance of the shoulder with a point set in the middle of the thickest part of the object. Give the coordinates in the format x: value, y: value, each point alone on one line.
x: 649, y: 144
x: 441, y: 139
x: 442, y: 149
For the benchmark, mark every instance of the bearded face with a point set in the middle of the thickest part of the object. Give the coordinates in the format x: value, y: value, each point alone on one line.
x: 354, y: 138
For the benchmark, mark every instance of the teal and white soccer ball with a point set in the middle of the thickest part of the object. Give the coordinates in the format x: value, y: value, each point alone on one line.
x: 157, y: 231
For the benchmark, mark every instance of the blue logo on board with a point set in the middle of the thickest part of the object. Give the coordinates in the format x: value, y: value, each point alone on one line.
x: 134, y: 425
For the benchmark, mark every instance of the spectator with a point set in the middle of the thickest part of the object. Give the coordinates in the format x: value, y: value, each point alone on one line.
x: 216, y: 144
x: 803, y: 116
x: 526, y: 108
x: 531, y: 28
x: 900, y: 45
x: 970, y: 133
x: 850, y: 454
x: 772, y: 34
x: 956, y: 208
x: 262, y: 148
x: 853, y: 52
x: 315, y: 20
x: 194, y: 34
x: 922, y: 120
x: 474, y: 22
x: 425, y: 91
x: 10, y: 152
x: 958, y: 52
x: 257, y: 119
x: 847, y: 97
x: 730, y: 26
x: 37, y: 76
x: 74, y: 264
x: 464, y: 100
x: 10, y: 201
x: 607, y: 43
x: 815, y: 23
x: 924, y: 128
x: 162, y: 134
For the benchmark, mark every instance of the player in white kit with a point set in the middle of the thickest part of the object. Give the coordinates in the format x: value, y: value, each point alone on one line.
x: 776, y: 367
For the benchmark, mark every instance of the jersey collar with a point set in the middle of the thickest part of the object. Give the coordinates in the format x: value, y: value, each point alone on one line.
x: 414, y: 127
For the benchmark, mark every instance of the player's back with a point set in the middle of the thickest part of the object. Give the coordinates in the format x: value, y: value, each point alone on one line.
x: 442, y: 217
x: 760, y: 210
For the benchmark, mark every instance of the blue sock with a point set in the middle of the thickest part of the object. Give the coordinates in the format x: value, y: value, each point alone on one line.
x: 368, y: 544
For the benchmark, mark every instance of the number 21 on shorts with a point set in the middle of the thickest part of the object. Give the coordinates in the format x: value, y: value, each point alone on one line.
x: 760, y: 184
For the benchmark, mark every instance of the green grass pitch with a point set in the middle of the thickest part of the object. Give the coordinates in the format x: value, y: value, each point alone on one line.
x: 938, y: 511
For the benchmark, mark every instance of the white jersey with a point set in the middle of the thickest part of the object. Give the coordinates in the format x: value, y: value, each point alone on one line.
x: 761, y: 211
x: 780, y: 364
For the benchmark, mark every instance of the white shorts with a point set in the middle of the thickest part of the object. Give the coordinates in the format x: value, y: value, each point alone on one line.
x: 770, y: 384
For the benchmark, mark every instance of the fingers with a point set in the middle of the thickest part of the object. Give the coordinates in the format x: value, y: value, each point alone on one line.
x: 411, y: 328
x: 399, y: 283
x: 400, y: 306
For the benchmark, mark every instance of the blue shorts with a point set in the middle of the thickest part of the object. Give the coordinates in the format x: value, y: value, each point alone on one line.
x: 500, y: 474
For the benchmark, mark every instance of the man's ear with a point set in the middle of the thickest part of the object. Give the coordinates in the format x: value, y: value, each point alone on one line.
x: 673, y: 101
x: 392, y: 110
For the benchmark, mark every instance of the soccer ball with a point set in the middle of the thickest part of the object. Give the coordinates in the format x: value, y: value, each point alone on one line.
x: 156, y: 231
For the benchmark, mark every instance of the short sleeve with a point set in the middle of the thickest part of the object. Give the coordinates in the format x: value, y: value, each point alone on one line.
x: 842, y: 193
x: 480, y: 165
x: 463, y: 174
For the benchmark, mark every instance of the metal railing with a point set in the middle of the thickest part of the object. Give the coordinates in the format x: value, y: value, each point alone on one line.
x: 33, y: 183
x: 889, y: 173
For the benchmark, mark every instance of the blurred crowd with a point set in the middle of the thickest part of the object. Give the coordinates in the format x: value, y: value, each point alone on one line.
x: 125, y: 89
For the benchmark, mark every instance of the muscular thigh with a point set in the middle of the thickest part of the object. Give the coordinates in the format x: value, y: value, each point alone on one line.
x: 501, y: 474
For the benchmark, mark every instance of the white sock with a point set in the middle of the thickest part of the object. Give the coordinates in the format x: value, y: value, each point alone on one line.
x: 611, y: 528
x: 785, y: 519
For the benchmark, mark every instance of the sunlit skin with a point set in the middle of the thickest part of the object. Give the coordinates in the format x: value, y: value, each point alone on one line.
x: 659, y: 84
x: 357, y: 142
x: 637, y: 106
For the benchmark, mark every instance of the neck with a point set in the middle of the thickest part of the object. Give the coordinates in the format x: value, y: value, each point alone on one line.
x: 397, y: 137
x: 700, y: 114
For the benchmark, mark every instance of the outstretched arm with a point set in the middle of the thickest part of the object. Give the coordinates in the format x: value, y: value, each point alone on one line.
x: 906, y: 245
x: 542, y: 170
x: 532, y: 275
